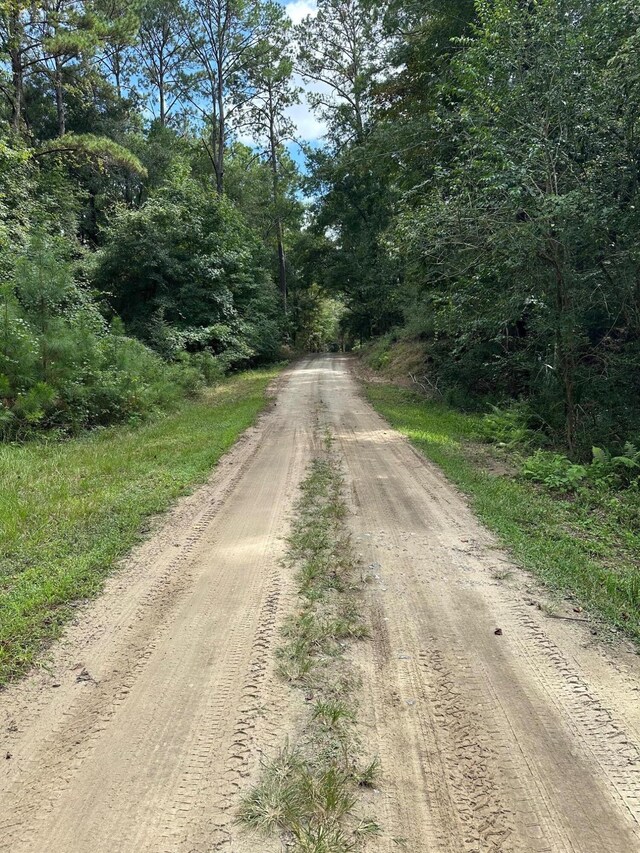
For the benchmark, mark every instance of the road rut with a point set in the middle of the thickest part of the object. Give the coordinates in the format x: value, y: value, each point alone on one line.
x: 158, y: 702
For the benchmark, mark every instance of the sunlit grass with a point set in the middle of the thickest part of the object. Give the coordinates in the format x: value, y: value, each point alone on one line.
x: 587, y: 554
x: 431, y: 437
x: 69, y: 510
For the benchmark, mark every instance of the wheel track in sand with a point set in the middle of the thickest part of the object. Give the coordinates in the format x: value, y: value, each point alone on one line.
x: 184, y: 694
x: 530, y: 759
x: 527, y: 742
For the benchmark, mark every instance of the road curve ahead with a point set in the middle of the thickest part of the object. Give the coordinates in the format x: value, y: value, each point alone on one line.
x: 155, y: 707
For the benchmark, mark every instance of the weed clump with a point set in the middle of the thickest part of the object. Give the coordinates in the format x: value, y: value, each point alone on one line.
x: 309, y: 793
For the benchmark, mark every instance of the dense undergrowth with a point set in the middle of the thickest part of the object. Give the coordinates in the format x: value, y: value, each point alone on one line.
x: 63, y: 368
x: 308, y: 793
x: 575, y: 526
x: 69, y: 510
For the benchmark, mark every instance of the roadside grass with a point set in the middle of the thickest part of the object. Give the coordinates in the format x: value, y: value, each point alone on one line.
x: 70, y: 510
x: 581, y: 546
x: 309, y: 793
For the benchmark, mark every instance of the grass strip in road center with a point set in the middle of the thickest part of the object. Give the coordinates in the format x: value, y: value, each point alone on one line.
x: 70, y: 510
x: 309, y: 793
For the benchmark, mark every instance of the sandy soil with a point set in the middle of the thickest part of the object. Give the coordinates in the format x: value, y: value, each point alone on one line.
x: 152, y: 713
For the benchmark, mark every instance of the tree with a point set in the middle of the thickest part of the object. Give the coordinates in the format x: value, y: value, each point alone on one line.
x: 185, y: 271
x: 224, y: 38
x: 268, y: 82
x: 519, y: 250
x: 341, y: 49
x: 51, y: 39
x: 354, y: 209
x: 163, y: 51
x: 116, y: 55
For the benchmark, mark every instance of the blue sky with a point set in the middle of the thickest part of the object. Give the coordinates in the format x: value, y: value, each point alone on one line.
x: 308, y: 127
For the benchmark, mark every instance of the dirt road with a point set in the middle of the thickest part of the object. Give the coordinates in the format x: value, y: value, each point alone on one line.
x: 152, y: 713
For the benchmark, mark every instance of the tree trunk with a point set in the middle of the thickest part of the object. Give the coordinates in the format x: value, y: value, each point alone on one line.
x: 117, y: 73
x: 273, y: 151
x: 161, y: 94
x: 220, y: 142
x: 60, y: 107
x: 282, y: 267
x: 17, y: 71
x: 18, y: 83
x: 162, y: 73
x: 565, y: 363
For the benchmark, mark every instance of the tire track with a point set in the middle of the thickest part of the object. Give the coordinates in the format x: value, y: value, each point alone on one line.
x: 617, y: 754
x: 509, y: 743
x: 157, y: 741
x: 220, y: 794
x: 526, y: 758
x: 464, y: 742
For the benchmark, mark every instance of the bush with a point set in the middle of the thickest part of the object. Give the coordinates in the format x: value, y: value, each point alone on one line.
x: 606, y: 471
x: 377, y: 354
x: 509, y: 427
x: 63, y: 368
x: 554, y: 471
x: 210, y: 367
x: 618, y: 471
x: 185, y: 272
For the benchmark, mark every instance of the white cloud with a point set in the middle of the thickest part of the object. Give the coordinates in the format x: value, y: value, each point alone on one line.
x: 247, y: 139
x: 299, y: 9
x: 308, y: 127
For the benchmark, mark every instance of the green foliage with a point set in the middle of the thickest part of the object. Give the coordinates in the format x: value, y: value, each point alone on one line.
x: 554, y: 471
x: 606, y: 471
x: 184, y: 271
x: 63, y: 368
x: 490, y: 204
x: 318, y: 320
x: 509, y: 426
x: 520, y: 251
x: 617, y: 471
x: 305, y: 801
x: 476, y: 192
x: 355, y: 265
x: 191, y: 272
x: 98, y: 149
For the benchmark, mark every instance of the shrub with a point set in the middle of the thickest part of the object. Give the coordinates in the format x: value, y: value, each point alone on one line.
x: 184, y: 271
x: 606, y: 471
x: 63, y: 368
x: 554, y: 471
x: 618, y: 471
x: 509, y: 426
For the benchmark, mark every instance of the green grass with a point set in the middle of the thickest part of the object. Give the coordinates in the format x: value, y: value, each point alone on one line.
x: 69, y: 511
x: 309, y: 793
x: 581, y: 546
